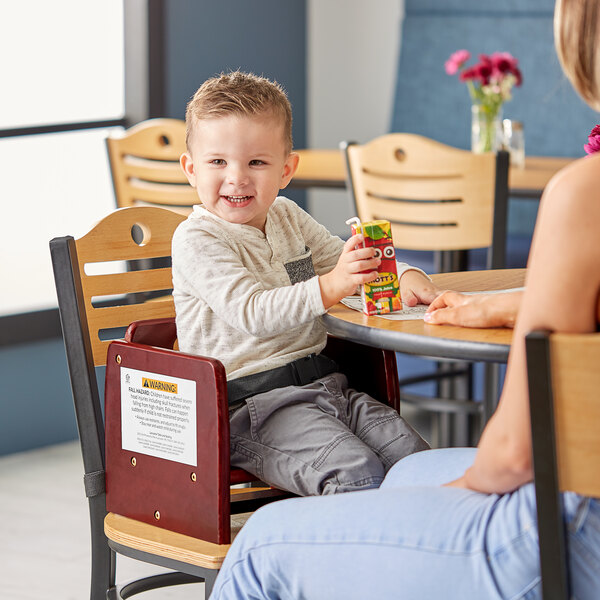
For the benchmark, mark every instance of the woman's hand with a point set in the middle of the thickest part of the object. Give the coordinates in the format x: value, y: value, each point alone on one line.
x: 459, y: 483
x: 474, y: 310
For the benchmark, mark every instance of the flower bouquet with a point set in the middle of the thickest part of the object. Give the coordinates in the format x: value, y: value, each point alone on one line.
x: 490, y: 83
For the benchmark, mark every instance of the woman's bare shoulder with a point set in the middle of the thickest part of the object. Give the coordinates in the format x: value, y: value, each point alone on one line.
x: 579, y: 176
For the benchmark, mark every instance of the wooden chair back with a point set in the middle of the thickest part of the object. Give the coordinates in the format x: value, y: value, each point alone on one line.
x: 145, y: 168
x: 102, y: 283
x: 437, y: 197
x: 112, y: 295
x: 564, y: 380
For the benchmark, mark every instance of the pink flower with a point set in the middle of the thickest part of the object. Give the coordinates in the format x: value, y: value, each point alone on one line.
x: 480, y: 72
x: 468, y: 73
x: 504, y: 63
x: 456, y: 61
x: 593, y: 144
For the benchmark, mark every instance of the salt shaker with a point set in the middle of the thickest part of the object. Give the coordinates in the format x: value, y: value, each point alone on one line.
x: 514, y: 141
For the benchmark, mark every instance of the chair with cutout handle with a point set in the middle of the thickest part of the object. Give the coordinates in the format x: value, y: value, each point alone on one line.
x: 144, y: 163
x: 446, y: 200
x: 96, y: 278
x: 563, y: 376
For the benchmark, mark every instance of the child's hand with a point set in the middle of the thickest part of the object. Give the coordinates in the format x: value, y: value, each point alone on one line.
x: 348, y: 273
x: 415, y: 289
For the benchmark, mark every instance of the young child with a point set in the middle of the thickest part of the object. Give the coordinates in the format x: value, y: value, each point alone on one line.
x: 252, y: 274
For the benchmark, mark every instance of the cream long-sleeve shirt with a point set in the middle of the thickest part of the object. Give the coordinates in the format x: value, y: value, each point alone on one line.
x: 248, y: 298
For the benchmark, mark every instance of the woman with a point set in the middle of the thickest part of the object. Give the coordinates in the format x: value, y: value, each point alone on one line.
x: 459, y: 523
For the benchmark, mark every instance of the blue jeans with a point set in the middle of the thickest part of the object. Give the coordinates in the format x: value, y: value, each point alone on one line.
x: 409, y: 539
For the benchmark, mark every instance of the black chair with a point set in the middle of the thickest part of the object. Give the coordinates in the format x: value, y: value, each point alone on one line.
x: 564, y: 380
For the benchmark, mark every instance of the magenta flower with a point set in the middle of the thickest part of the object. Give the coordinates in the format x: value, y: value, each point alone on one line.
x: 593, y: 144
x: 504, y: 63
x: 456, y: 61
x: 468, y: 73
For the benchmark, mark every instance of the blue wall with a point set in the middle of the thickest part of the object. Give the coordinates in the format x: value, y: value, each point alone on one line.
x: 434, y: 104
x: 36, y: 406
x: 430, y: 102
x: 266, y: 37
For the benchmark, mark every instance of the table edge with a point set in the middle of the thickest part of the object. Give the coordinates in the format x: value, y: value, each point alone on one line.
x: 415, y: 344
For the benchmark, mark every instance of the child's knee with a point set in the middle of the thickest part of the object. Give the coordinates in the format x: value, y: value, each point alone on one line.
x: 394, y: 439
x: 360, y: 471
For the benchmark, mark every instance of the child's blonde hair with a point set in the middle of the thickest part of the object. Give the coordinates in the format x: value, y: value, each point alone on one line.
x: 239, y: 93
x: 577, y: 39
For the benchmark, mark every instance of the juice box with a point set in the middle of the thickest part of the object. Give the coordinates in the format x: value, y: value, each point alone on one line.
x: 381, y: 295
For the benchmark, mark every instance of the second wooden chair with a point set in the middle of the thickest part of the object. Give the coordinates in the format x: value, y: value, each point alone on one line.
x: 441, y: 199
x: 144, y: 163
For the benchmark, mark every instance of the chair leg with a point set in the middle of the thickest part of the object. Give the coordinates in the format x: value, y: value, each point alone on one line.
x: 209, y: 582
x: 490, y: 392
x: 156, y: 582
x: 453, y: 430
x: 103, y: 558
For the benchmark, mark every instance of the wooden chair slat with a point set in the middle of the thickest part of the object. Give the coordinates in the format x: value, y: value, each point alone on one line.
x: 154, y: 170
x: 128, y: 283
x: 576, y: 382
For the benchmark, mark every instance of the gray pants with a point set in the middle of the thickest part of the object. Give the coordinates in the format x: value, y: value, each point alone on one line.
x: 320, y: 438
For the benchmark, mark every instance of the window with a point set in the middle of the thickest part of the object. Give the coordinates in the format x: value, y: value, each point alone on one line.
x: 63, y: 83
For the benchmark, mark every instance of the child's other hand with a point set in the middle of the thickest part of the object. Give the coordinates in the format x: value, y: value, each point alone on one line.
x: 415, y: 289
x: 356, y: 265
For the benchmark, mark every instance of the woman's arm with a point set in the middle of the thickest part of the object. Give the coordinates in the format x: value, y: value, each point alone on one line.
x: 563, y: 281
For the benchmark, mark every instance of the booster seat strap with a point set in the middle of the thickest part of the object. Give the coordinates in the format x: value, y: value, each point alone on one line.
x: 94, y: 483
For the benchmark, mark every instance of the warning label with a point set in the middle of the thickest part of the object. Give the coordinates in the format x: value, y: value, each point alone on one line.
x: 158, y: 415
x: 155, y: 384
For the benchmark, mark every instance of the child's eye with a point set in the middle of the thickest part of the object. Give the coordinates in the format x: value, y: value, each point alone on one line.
x: 257, y: 162
x: 217, y: 161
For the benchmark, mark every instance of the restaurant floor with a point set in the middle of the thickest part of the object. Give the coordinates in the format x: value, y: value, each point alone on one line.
x: 44, y: 530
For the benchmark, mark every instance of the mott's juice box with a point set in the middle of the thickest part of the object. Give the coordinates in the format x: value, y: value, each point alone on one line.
x: 383, y: 294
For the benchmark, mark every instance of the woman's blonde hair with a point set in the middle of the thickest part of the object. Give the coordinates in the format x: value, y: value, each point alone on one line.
x: 239, y: 93
x: 576, y: 36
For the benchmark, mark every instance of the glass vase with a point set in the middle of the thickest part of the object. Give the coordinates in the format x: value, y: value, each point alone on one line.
x: 486, y: 129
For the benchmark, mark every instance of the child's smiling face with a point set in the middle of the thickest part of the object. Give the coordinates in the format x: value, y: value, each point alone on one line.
x: 238, y: 164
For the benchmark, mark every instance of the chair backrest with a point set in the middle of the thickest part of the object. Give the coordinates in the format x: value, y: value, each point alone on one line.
x: 97, y: 300
x: 112, y: 273
x: 564, y: 380
x: 437, y: 197
x: 145, y: 168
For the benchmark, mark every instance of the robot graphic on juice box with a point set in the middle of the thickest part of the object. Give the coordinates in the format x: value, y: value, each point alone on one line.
x: 381, y: 295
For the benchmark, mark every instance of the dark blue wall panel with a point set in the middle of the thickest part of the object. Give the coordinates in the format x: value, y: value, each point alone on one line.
x: 431, y: 103
x: 266, y: 37
x: 36, y: 408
